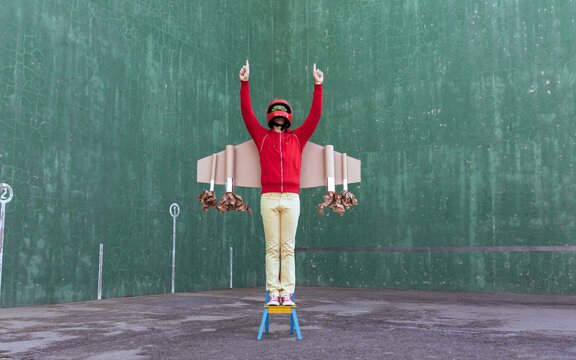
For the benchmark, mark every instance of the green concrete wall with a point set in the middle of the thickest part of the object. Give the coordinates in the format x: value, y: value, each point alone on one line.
x: 462, y: 113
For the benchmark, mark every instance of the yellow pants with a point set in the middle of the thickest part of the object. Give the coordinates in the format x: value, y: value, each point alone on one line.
x: 280, y: 212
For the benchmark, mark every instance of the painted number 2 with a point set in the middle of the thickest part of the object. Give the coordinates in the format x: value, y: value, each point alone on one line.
x: 5, y: 193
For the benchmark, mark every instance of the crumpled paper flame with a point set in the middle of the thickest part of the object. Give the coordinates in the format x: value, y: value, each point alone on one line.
x: 231, y: 201
x: 347, y: 199
x: 208, y: 200
x: 331, y: 200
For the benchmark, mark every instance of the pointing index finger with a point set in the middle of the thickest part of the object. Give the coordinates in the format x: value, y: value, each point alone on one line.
x: 314, y: 68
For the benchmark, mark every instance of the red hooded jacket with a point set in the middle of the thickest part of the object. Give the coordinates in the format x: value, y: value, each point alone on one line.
x: 280, y: 153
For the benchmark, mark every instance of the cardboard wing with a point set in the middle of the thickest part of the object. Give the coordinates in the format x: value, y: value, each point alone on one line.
x: 246, y: 167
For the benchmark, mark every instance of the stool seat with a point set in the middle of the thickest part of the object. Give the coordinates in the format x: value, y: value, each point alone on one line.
x: 273, y: 309
x: 279, y: 309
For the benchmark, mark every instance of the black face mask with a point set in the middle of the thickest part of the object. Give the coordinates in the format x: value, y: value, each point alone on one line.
x: 283, y: 127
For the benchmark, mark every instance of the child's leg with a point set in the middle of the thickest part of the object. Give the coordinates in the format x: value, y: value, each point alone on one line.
x: 269, y: 203
x: 290, y: 204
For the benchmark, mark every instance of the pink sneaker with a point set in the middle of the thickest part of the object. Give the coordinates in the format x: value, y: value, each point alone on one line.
x: 287, y: 300
x: 274, y: 300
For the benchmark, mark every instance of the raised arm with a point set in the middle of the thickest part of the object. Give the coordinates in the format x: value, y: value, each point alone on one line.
x: 305, y: 131
x: 254, y: 128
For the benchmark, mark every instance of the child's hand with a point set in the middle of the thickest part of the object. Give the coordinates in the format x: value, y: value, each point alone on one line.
x: 316, y: 73
x: 245, y: 72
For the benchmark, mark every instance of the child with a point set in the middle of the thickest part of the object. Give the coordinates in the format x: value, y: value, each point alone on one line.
x: 280, y: 152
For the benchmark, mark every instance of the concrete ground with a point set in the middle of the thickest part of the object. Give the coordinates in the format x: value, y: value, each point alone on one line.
x: 335, y: 324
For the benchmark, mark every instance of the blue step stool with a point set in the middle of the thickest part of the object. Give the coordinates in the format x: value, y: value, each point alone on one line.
x: 281, y: 309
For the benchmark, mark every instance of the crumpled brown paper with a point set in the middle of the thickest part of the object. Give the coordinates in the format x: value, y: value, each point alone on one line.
x: 331, y: 200
x: 347, y: 199
x: 231, y: 201
x: 208, y: 200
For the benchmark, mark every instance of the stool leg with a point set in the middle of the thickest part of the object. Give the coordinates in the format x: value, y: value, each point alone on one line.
x: 267, y: 317
x: 295, y: 318
x: 262, y: 323
x: 291, y: 317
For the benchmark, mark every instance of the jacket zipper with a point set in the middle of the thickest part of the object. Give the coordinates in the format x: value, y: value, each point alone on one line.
x: 281, y: 167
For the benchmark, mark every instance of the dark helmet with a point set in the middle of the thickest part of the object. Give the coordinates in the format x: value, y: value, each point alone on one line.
x: 279, y: 108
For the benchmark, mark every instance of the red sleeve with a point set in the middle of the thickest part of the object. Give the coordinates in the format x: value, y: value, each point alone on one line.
x: 305, y: 131
x: 254, y: 128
